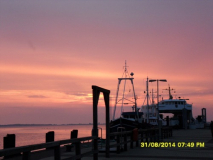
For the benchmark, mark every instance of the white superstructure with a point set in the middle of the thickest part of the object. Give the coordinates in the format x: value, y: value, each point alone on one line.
x: 172, y: 105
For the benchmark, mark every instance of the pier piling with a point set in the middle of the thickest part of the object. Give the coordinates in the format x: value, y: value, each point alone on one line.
x: 9, y: 141
x: 74, y: 134
x: 50, y: 136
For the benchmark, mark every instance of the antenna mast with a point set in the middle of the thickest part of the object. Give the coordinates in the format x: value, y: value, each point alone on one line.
x: 126, y: 77
x: 125, y: 72
x: 169, y: 89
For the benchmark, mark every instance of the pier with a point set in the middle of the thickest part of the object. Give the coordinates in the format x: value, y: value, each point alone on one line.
x: 202, y: 149
x: 58, y: 150
x: 135, y: 144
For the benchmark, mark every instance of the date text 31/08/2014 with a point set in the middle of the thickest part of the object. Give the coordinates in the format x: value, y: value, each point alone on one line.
x: 172, y: 144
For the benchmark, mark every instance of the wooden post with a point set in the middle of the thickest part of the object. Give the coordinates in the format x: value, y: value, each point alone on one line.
x: 57, y: 153
x: 26, y: 156
x: 96, y: 93
x: 106, y: 99
x: 50, y: 137
x: 150, y: 135
x: 131, y: 143
x: 142, y: 136
x: 10, y: 141
x: 137, y: 144
x: 167, y: 121
x: 162, y: 133
x: 118, y: 144
x: 156, y: 136
x: 125, y: 141
x: 74, y: 134
x: 78, y: 149
x: 147, y: 136
x: 153, y: 136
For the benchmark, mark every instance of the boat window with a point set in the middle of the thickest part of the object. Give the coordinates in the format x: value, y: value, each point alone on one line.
x: 162, y: 102
x: 181, y: 102
x: 178, y: 102
x: 175, y: 102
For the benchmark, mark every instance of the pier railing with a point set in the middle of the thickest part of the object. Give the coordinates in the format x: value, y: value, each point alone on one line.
x: 138, y: 136
x: 122, y: 140
x: 56, y: 145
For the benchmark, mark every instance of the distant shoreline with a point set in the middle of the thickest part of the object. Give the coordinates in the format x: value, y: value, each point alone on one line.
x: 8, y: 125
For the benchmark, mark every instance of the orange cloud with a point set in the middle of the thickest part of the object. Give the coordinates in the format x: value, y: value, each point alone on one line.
x: 40, y: 70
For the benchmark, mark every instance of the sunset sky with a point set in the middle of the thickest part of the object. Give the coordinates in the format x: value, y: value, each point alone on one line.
x: 52, y: 52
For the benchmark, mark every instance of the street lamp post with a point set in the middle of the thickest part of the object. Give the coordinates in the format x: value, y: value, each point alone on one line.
x: 161, y: 80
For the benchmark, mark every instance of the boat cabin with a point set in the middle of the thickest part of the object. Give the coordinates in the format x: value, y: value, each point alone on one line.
x: 171, y: 105
x: 133, y: 115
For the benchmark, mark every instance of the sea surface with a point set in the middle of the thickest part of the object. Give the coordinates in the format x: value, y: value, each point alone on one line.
x: 27, y: 135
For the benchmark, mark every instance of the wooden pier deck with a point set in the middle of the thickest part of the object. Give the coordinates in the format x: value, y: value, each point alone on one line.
x: 176, y: 153
x: 201, y: 137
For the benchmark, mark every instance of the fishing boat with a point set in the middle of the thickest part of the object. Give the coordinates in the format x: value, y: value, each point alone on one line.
x: 127, y: 120
x: 174, y: 105
x: 181, y: 110
x: 150, y: 109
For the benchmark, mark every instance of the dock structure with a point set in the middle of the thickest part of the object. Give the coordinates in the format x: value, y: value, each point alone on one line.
x: 199, y: 145
x: 96, y: 93
x: 135, y: 144
x: 199, y: 141
x: 55, y: 150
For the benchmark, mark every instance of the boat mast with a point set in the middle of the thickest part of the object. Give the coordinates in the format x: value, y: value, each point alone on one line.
x: 169, y: 89
x: 125, y: 72
x: 134, y: 95
x: 153, y: 109
x: 147, y: 96
x: 125, y: 75
x: 116, y: 99
x: 153, y: 97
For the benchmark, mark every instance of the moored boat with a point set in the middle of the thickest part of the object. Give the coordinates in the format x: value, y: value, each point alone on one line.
x: 131, y: 119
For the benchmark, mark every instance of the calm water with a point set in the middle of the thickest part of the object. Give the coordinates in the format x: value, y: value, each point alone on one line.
x: 27, y: 135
